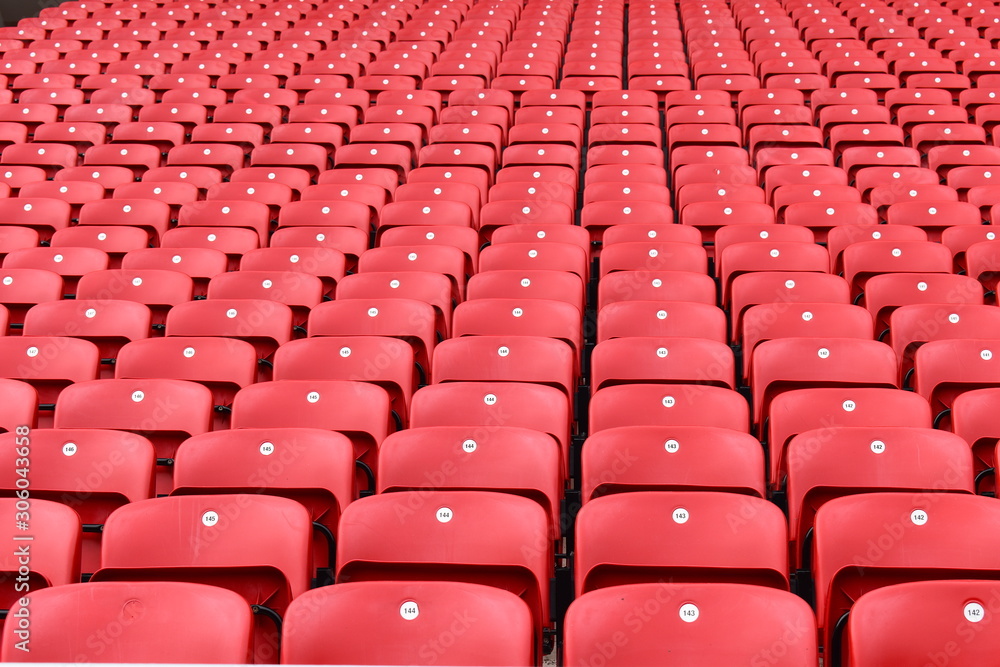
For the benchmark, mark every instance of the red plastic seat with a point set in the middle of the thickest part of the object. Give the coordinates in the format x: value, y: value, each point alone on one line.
x: 358, y: 608
x: 931, y: 538
x: 908, y: 621
x: 610, y: 551
x: 220, y: 631
x: 436, y: 540
x: 247, y: 558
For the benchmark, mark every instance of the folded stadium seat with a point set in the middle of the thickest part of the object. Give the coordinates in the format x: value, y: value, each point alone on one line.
x: 845, y: 135
x: 76, y: 193
x: 609, y: 552
x: 520, y: 358
x: 115, y: 241
x: 521, y: 317
x: 535, y: 255
x: 769, y: 321
x: 981, y: 196
x: 828, y: 463
x: 542, y: 232
x: 434, y: 543
x: 786, y: 195
x: 944, y: 158
x: 157, y: 288
x: 478, y: 461
x: 824, y: 218
x: 294, y: 403
x: 444, y: 212
x: 895, y: 623
x: 320, y: 214
x: 685, y: 319
x: 626, y: 173
x: 70, y: 263
x: 528, y: 284
x: 840, y: 237
x: 455, y: 174
x: 719, y: 459
x: 350, y: 358
x: 699, y: 116
x: 227, y: 158
x: 245, y: 557
x: 666, y: 285
x: 299, y: 290
x: 632, y: 99
x: 711, y: 622
x: 352, y: 242
x: 373, y: 195
x: 713, y: 191
x: 210, y: 639
x: 899, y: 177
x: 266, y: 324
x: 66, y: 456
x: 641, y: 359
x: 523, y: 404
x: 446, y: 190
x: 944, y: 369
x: 20, y: 405
x: 619, y: 114
x: 981, y: 261
x: 534, y: 192
x: 164, y: 410
x: 200, y: 176
x: 483, y: 134
x: 49, y: 156
x: 318, y: 472
x: 960, y: 238
x: 79, y: 135
x: 883, y: 196
x: 31, y: 115
x: 274, y: 195
x: 138, y: 158
x: 20, y: 289
x: 652, y: 232
x: 392, y: 156
x: 597, y: 216
x: 653, y: 256
x: 428, y: 607
x: 327, y: 264
x: 784, y: 364
x: 529, y: 154
x: 16, y: 176
x: 683, y: 405
x: 218, y: 214
x: 445, y: 259
x: 768, y: 256
x: 866, y: 259
x: 343, y: 114
x: 49, y: 364
x: 431, y: 288
x: 914, y: 324
x: 44, y: 215
x: 54, y: 552
x: 972, y: 418
x: 223, y: 365
x: 931, y: 538
x: 200, y: 264
x: 759, y: 233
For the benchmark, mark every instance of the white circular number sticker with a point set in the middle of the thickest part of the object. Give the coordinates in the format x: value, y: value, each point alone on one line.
x: 918, y: 517
x: 69, y: 449
x: 444, y: 515
x: 210, y: 518
x: 267, y: 448
x: 974, y: 612
x: 680, y: 515
x: 689, y: 612
x: 409, y: 610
